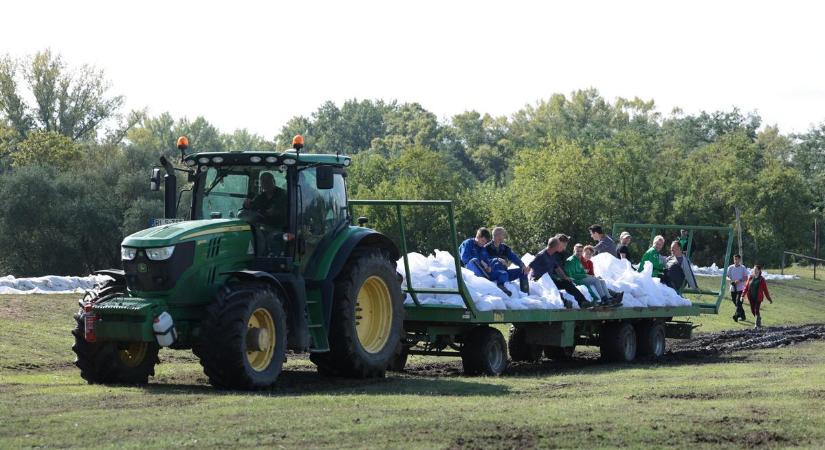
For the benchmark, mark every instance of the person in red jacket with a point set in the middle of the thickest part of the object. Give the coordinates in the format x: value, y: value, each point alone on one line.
x: 587, y: 253
x: 756, y: 288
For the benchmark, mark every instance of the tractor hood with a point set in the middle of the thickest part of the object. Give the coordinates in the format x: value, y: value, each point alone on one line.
x: 165, y: 235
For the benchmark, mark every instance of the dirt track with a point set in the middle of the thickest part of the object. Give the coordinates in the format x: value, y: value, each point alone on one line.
x: 702, y: 348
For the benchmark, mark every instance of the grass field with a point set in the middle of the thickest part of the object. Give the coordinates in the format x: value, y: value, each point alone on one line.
x: 772, y: 398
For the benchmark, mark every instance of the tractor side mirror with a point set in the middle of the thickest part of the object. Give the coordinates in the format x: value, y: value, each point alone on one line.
x: 362, y: 221
x: 324, y: 177
x: 154, y: 180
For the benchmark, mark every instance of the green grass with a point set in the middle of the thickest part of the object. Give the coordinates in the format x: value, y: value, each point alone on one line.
x: 772, y: 398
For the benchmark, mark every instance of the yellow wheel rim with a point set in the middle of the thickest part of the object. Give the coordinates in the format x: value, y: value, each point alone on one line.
x: 260, y: 336
x: 133, y: 354
x: 373, y: 314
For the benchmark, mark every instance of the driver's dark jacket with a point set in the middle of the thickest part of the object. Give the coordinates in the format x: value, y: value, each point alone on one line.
x: 273, y: 209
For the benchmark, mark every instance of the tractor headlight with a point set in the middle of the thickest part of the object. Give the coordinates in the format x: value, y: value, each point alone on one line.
x: 160, y: 254
x: 127, y: 253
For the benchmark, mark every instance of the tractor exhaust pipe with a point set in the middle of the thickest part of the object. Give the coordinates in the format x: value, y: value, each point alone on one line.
x: 170, y: 190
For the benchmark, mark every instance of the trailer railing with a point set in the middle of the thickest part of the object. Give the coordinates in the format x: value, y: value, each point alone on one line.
x: 691, y: 229
x: 410, y: 289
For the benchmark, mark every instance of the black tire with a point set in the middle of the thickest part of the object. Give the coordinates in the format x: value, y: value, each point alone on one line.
x: 399, y: 361
x: 618, y: 342
x: 111, y: 362
x: 236, y: 346
x: 651, y: 340
x: 366, y: 353
x: 559, y: 353
x: 519, y: 349
x: 484, y: 352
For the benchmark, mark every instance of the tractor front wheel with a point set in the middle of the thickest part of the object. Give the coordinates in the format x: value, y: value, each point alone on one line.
x: 367, y: 318
x: 111, y: 362
x: 243, y: 338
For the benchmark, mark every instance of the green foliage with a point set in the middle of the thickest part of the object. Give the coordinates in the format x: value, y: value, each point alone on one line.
x: 46, y: 148
x: 558, y: 165
x: 72, y: 102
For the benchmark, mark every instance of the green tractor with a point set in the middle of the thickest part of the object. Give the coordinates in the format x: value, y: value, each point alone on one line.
x: 267, y: 261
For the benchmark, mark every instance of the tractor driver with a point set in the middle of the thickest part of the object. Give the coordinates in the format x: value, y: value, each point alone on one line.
x: 270, y: 203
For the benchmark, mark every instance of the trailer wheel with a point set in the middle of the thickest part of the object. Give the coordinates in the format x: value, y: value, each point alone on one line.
x: 367, y: 318
x: 618, y: 342
x: 651, y: 338
x: 243, y: 337
x: 484, y: 352
x: 112, y: 362
x: 559, y: 353
x: 519, y: 349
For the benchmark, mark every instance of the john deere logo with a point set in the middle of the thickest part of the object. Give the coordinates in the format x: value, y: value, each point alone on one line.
x: 142, y: 268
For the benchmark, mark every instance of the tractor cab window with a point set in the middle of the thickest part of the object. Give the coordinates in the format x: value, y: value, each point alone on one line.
x: 321, y: 210
x: 223, y: 193
x: 226, y: 193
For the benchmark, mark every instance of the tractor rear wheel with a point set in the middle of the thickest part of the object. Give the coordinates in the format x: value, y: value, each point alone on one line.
x: 520, y: 350
x: 618, y: 342
x: 399, y: 361
x: 112, y: 362
x: 651, y: 339
x: 243, y: 337
x: 484, y: 352
x: 367, y: 318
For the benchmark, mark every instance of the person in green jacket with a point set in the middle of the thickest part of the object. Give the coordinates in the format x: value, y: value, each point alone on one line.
x: 597, y: 287
x: 652, y: 255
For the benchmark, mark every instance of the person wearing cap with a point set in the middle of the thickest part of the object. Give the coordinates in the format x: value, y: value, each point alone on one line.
x: 623, y: 250
x: 604, y: 244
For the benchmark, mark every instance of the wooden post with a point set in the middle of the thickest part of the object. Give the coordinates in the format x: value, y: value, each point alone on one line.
x: 739, y: 230
x: 816, y: 244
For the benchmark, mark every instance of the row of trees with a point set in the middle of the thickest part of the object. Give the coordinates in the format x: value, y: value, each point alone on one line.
x: 74, y: 166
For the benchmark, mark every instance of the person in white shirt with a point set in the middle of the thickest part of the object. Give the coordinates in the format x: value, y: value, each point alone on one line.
x: 737, y: 275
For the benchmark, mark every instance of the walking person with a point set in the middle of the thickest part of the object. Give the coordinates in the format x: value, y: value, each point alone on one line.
x: 756, y: 288
x: 737, y: 275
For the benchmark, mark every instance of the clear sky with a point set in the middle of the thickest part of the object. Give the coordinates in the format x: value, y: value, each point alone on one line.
x: 245, y: 64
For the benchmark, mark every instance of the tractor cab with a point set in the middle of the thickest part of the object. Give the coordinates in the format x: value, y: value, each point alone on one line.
x: 291, y: 200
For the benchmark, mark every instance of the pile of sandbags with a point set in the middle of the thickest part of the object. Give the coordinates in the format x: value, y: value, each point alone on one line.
x: 438, y: 271
x: 50, y: 284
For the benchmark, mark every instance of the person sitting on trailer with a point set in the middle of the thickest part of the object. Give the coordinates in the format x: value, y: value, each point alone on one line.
x: 474, y: 256
x: 547, y: 261
x: 604, y: 243
x: 652, y: 255
x: 678, y: 270
x: 501, y: 256
x: 597, y: 287
x: 623, y: 250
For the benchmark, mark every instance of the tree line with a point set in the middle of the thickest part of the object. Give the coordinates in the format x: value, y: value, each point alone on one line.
x: 74, y: 168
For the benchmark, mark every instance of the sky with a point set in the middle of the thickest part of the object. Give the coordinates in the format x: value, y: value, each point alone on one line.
x: 254, y: 65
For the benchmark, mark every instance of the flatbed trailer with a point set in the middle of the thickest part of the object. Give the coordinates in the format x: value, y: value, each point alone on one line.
x: 622, y: 333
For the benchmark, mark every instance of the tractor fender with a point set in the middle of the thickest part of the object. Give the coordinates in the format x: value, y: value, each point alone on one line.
x: 324, y: 272
x: 292, y: 291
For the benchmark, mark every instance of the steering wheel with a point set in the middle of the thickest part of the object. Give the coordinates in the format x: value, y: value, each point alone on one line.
x: 250, y: 215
